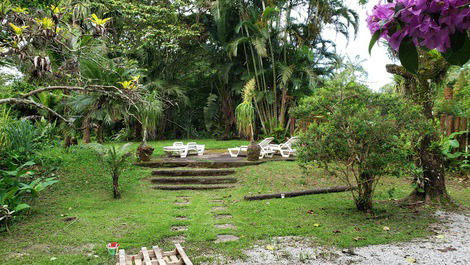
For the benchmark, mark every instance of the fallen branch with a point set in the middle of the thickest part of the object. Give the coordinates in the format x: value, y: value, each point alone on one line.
x: 299, y: 193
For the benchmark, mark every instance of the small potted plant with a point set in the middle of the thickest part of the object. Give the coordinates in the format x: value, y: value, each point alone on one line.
x: 113, y: 248
x: 245, y: 115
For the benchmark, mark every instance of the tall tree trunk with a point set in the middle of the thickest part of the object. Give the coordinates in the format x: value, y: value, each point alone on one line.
x: 86, y: 131
x: 418, y: 89
x: 138, y: 131
x: 99, y: 133
x: 433, y: 187
x: 229, y: 114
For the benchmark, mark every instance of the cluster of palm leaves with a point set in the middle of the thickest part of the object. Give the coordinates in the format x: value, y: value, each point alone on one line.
x: 280, y: 45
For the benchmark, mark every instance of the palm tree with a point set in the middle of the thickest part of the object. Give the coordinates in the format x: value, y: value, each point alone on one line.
x: 284, y: 54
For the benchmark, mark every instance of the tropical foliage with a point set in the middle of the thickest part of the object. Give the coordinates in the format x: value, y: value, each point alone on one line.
x: 358, y: 136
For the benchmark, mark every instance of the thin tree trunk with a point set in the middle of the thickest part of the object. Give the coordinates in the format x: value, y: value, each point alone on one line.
x: 67, y: 141
x: 86, y: 131
x: 365, y: 192
x: 116, y: 192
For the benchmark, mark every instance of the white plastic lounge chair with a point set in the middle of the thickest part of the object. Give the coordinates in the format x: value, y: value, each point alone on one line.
x: 265, y: 151
x: 235, y: 152
x: 176, y: 149
x: 193, y: 147
x: 285, y: 149
x: 179, y: 149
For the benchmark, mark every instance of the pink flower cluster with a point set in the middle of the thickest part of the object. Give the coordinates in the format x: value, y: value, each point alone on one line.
x: 429, y: 23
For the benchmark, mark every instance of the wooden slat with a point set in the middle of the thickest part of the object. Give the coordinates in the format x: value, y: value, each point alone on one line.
x: 169, y: 253
x: 183, y: 255
x: 173, y: 258
x: 145, y: 253
x: 122, y: 257
x: 158, y: 254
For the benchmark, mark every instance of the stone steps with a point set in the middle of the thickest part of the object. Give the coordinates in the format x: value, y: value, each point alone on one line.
x: 197, y: 164
x: 192, y: 187
x: 193, y: 172
x: 194, y: 180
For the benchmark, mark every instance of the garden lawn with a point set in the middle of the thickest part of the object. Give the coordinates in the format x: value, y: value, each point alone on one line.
x: 74, y: 220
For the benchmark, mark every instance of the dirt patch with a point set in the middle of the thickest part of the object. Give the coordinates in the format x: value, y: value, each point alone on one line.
x: 182, y: 218
x: 226, y: 238
x: 217, y: 201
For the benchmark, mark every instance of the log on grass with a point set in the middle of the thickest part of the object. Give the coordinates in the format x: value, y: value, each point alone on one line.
x: 299, y: 193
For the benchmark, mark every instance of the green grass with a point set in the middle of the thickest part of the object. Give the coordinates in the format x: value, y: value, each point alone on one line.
x: 143, y: 217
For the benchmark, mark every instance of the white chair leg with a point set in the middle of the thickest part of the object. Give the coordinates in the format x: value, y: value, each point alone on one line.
x: 285, y: 153
x: 201, y: 152
x: 234, y: 152
x: 184, y: 153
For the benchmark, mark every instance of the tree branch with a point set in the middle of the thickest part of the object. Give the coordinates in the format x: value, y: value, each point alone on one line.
x: 34, y: 104
x: 70, y: 88
x: 398, y: 70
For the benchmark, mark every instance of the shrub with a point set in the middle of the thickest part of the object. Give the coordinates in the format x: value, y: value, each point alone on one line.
x: 17, y: 186
x: 365, y: 136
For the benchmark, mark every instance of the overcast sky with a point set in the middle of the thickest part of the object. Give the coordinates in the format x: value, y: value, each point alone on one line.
x: 375, y: 63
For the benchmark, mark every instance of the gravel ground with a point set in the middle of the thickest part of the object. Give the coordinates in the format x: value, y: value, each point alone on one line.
x: 450, y: 245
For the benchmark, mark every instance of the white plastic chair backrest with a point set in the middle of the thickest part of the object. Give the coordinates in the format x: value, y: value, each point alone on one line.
x: 192, y: 145
x: 266, y: 141
x: 291, y: 141
x: 178, y: 144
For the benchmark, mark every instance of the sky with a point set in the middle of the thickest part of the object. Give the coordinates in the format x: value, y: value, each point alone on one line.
x: 375, y: 63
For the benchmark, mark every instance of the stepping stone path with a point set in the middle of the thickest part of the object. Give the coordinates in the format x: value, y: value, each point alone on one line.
x: 182, y: 201
x: 177, y: 239
x: 219, y: 208
x: 226, y: 238
x: 225, y: 226
x: 223, y: 216
x: 179, y: 228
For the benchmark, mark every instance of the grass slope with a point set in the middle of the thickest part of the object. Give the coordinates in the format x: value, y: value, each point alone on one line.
x: 143, y: 217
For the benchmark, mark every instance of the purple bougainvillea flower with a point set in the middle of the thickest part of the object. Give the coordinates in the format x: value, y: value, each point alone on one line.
x: 429, y: 23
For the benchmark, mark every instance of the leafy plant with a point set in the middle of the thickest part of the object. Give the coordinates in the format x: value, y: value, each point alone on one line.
x: 450, y: 149
x: 364, y: 136
x: 16, y: 187
x: 116, y: 160
x: 245, y: 113
x: 19, y: 30
x: 99, y: 21
x: 46, y: 23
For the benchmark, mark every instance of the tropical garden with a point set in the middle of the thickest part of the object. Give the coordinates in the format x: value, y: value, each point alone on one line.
x: 93, y: 91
